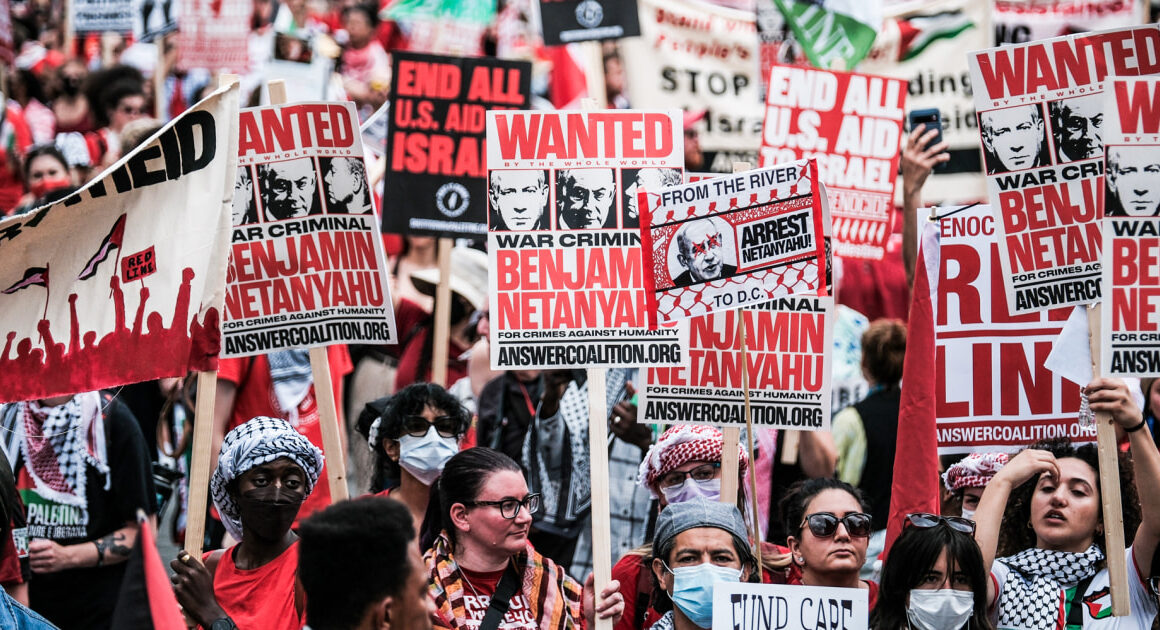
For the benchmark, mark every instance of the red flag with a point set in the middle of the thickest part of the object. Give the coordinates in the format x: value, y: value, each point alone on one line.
x: 32, y: 276
x: 916, y: 480
x: 567, y: 83
x: 111, y: 242
x: 146, y: 601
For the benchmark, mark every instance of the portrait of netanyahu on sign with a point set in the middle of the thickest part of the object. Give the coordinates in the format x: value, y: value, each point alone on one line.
x: 585, y: 198
x: 244, y: 211
x: 289, y: 189
x: 1132, y: 179
x: 1076, y: 127
x: 1014, y: 138
x: 345, y: 182
x: 702, y: 254
x: 518, y: 200
x: 650, y: 179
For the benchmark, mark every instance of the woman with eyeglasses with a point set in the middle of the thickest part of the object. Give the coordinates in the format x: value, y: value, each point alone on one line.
x: 1041, y: 527
x: 933, y: 578
x: 829, y: 531
x: 483, y: 572
x: 417, y: 432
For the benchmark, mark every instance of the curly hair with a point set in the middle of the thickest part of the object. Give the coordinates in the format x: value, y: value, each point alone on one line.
x: 1015, y: 535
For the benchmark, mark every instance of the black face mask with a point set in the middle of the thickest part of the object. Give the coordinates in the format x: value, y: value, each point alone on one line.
x: 269, y: 512
x: 70, y: 85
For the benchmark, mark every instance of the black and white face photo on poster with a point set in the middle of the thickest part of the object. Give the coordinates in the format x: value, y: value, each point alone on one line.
x: 1014, y: 138
x: 585, y: 198
x: 702, y: 254
x: 1132, y: 179
x: 289, y: 189
x: 344, y: 180
x: 518, y: 200
x: 244, y: 210
x: 1077, y: 127
x: 650, y: 179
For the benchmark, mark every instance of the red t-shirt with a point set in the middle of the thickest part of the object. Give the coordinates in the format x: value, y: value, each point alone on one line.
x: 477, y: 591
x: 262, y: 597
x: 413, y: 333
x: 255, y: 397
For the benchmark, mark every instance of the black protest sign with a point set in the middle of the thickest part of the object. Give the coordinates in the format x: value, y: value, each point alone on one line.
x: 436, y: 170
x: 567, y: 21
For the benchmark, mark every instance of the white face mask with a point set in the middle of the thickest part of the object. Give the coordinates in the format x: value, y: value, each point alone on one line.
x: 944, y: 609
x: 968, y: 514
x: 710, y: 490
x: 424, y: 457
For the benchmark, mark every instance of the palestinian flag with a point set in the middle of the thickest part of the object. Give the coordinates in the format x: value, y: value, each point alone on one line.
x: 919, y: 31
x: 146, y: 601
x: 111, y: 242
x: 33, y: 276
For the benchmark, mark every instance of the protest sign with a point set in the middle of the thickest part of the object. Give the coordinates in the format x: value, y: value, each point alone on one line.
x: 1019, y: 21
x: 735, y: 240
x: 95, y: 16
x: 851, y: 123
x: 1130, y: 334
x: 153, y: 18
x: 308, y: 267
x: 698, y: 56
x: 992, y: 390
x: 567, y: 271
x: 214, y: 35
x: 1040, y: 112
x: 786, y: 353
x: 832, y: 33
x: 123, y: 280
x: 926, y: 42
x: 436, y: 140
x: 443, y: 27
x: 746, y: 606
x: 569, y: 21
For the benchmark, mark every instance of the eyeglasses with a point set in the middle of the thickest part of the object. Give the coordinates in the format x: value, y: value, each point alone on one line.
x: 418, y: 426
x: 923, y: 520
x: 510, y: 508
x: 1154, y: 585
x: 704, y: 472
x: 825, y: 524
x: 129, y: 110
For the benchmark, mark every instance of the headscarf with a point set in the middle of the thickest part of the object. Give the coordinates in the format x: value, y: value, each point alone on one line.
x: 259, y: 441
x: 679, y: 445
x: 974, y: 470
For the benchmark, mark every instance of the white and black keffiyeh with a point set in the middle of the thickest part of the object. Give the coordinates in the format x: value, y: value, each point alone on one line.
x: 291, y: 376
x: 1034, y: 589
x: 259, y: 441
x: 563, y: 506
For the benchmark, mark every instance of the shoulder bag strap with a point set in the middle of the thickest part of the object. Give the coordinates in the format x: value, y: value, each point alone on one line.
x: 500, y: 600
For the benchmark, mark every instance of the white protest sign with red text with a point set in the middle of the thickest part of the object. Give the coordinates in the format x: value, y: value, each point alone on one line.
x: 992, y: 390
x: 214, y: 35
x: 735, y: 240
x: 851, y: 123
x: 1040, y: 113
x: 1130, y: 336
x: 787, y: 355
x: 308, y: 267
x: 567, y: 274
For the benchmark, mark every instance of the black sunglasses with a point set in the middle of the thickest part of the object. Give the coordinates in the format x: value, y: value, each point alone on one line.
x: 923, y: 520
x: 446, y: 426
x: 825, y: 524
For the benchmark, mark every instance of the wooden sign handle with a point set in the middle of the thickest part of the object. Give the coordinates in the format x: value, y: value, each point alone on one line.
x: 442, y: 332
x: 598, y: 463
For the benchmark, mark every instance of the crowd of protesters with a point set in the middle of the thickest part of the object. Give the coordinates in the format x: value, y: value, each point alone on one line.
x: 473, y: 502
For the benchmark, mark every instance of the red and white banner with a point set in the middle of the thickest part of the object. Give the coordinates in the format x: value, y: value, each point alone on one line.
x: 851, y: 123
x: 787, y: 354
x: 1040, y: 118
x: 1020, y: 21
x: 214, y: 34
x: 567, y: 272
x: 123, y: 281
x: 992, y: 390
x: 1131, y: 322
x: 735, y: 240
x: 308, y: 267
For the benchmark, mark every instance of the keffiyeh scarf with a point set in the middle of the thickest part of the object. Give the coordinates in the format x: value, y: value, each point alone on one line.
x: 254, y: 443
x: 680, y: 444
x: 292, y: 379
x: 577, y: 494
x: 58, y: 444
x: 553, y: 597
x: 1034, y: 589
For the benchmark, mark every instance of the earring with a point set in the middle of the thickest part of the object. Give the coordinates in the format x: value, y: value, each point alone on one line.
x: 800, y: 560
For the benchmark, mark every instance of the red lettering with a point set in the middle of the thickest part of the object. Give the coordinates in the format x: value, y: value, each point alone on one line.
x: 1139, y: 107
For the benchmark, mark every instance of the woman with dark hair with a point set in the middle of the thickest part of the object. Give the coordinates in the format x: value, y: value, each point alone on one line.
x: 829, y: 530
x: 417, y: 432
x: 45, y: 170
x: 1042, y: 514
x: 933, y: 578
x: 481, y: 564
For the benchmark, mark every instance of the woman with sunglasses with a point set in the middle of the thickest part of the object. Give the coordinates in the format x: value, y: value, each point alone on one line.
x: 1041, y: 527
x: 933, y: 578
x: 417, y: 432
x: 829, y: 530
x: 483, y: 572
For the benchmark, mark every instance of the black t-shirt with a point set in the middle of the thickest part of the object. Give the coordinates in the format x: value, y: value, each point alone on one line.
x: 84, y: 598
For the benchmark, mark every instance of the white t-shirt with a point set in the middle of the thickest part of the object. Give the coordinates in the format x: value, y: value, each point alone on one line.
x: 1097, y: 601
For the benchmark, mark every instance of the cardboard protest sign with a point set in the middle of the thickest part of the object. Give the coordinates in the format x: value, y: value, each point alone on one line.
x: 1019, y: 22
x: 851, y: 123
x: 214, y: 35
x: 89, y: 16
x: 746, y: 606
x: 308, y: 267
x: 992, y: 390
x: 698, y: 56
x: 735, y: 240
x: 926, y: 43
x: 568, y: 21
x: 123, y: 281
x: 567, y: 278
x: 1130, y: 334
x: 153, y: 18
x: 787, y: 344
x: 436, y: 140
x: 1040, y: 113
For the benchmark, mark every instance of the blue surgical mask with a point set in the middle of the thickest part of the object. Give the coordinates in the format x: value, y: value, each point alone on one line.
x: 424, y: 457
x: 710, y: 490
x: 693, y: 589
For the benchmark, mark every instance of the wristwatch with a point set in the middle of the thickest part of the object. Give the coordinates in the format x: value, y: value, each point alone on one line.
x: 225, y: 623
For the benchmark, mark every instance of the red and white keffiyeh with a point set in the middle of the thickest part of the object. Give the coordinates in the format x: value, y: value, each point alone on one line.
x: 974, y: 470
x: 680, y: 444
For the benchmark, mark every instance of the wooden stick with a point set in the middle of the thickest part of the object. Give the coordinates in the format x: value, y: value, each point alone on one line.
x: 789, y: 447
x: 594, y: 59
x: 159, y: 73
x: 277, y: 91
x: 598, y: 464
x: 199, y: 463
x: 731, y: 436
x: 1110, y: 486
x: 442, y: 315
x: 332, y: 445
